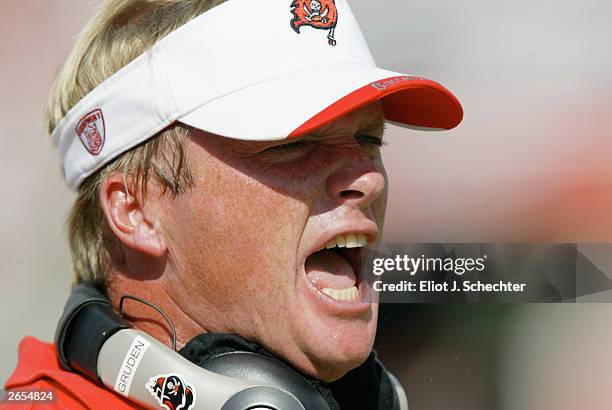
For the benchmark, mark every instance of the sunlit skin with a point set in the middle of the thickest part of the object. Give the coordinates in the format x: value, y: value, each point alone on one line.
x: 228, y: 255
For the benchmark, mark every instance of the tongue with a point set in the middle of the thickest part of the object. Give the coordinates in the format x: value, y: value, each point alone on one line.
x: 326, y: 269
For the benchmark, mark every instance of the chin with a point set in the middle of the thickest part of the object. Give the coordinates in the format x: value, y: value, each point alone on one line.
x: 333, y: 346
x: 334, y: 365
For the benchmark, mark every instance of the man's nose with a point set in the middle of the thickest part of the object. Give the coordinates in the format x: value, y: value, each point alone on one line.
x: 357, y: 181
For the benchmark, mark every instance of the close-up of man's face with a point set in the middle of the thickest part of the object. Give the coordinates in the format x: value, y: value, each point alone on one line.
x: 247, y: 244
x: 228, y: 187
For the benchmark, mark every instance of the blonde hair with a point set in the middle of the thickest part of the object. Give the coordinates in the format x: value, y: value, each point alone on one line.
x: 118, y: 33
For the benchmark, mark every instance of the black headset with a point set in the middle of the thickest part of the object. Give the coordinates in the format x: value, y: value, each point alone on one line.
x: 94, y: 340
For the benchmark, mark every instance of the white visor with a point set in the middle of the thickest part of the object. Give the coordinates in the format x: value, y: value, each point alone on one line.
x: 247, y: 70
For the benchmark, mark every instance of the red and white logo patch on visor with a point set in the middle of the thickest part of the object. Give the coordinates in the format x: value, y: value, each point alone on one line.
x: 321, y: 14
x: 91, y: 131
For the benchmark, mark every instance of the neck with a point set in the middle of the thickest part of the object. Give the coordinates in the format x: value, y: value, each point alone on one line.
x: 146, y: 318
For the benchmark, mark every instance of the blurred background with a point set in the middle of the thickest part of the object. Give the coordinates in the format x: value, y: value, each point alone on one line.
x: 530, y: 163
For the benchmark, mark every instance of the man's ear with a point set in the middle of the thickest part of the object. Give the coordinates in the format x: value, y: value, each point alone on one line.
x: 127, y: 217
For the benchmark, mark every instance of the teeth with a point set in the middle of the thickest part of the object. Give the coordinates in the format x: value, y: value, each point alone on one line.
x: 341, y: 241
x: 342, y: 294
x: 351, y: 240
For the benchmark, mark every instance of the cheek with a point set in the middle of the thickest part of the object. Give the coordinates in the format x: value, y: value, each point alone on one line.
x: 301, y: 180
x: 236, y: 234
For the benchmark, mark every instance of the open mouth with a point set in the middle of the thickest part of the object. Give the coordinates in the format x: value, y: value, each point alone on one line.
x: 334, y: 269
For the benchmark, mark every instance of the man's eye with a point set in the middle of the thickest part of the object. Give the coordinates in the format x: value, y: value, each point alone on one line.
x: 369, y: 139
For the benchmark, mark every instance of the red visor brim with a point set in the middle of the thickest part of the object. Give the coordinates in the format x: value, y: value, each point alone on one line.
x: 410, y: 101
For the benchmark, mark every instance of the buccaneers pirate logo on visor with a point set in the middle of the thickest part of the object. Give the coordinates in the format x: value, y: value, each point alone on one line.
x: 320, y: 14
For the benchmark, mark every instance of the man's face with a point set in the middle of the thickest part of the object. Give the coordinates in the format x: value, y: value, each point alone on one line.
x: 247, y: 243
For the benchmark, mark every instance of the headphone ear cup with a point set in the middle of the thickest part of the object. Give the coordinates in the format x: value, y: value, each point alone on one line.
x: 87, y: 315
x: 262, y: 369
x: 263, y: 398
